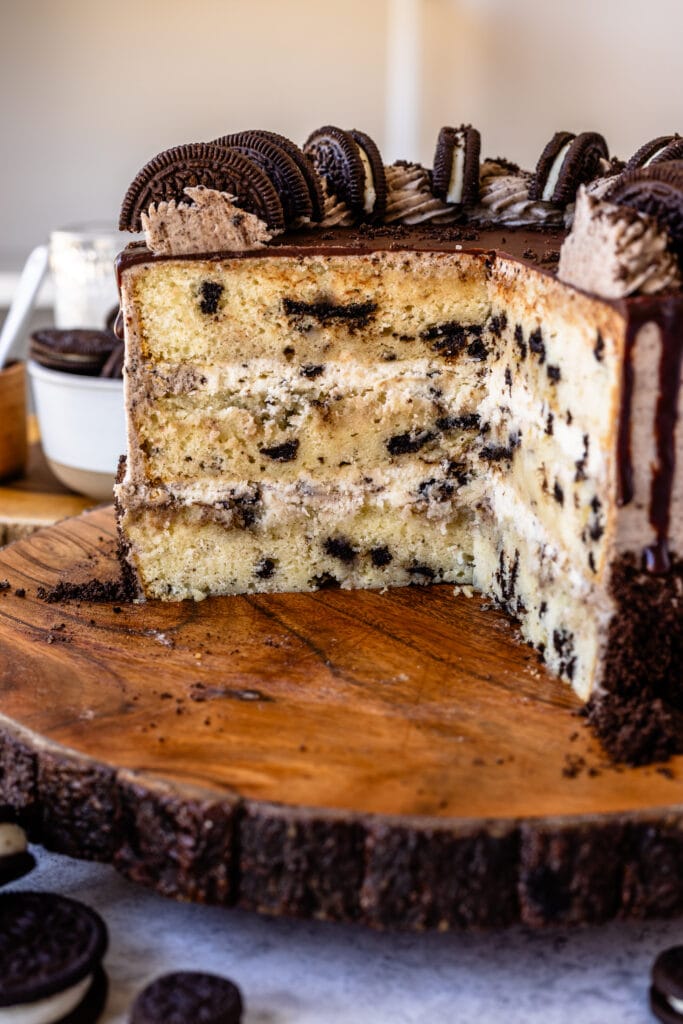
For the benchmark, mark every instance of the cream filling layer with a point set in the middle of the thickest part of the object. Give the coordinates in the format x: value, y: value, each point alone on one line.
x: 674, y: 1003
x: 456, y: 182
x: 554, y: 175
x: 12, y: 840
x: 49, y: 1010
x: 369, y: 192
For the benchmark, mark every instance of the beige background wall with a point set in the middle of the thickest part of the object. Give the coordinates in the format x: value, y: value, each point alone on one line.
x: 91, y: 89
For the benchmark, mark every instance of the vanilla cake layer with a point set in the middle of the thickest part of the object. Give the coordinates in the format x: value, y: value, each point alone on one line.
x: 194, y: 551
x: 455, y: 413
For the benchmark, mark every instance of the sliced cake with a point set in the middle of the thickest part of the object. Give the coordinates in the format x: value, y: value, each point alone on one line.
x: 405, y: 391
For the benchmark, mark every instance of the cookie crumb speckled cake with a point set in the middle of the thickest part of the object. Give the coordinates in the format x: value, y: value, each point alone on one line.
x: 341, y: 374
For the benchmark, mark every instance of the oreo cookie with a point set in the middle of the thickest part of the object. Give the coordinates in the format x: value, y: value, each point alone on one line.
x: 287, y: 167
x: 188, y: 996
x: 352, y: 167
x: 456, y: 165
x: 659, y: 150
x: 666, y: 993
x: 74, y: 350
x: 656, y: 190
x: 51, y: 950
x: 166, y: 176
x: 566, y: 162
x: 15, y: 859
x: 304, y: 164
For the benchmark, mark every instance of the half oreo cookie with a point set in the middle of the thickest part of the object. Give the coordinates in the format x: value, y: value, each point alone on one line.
x: 188, y: 997
x: 666, y: 993
x: 567, y: 161
x: 166, y: 176
x: 51, y: 950
x: 306, y: 168
x: 76, y: 350
x: 283, y: 171
x: 15, y: 859
x: 659, y: 150
x: 352, y: 167
x: 456, y: 165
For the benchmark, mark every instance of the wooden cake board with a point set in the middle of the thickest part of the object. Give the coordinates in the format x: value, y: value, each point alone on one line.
x: 397, y: 759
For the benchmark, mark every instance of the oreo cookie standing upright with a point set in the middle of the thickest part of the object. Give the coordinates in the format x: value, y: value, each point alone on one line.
x: 188, y: 997
x: 15, y: 859
x: 566, y: 162
x: 351, y: 165
x: 166, y: 176
x: 666, y: 993
x: 659, y: 150
x: 51, y: 951
x: 456, y: 165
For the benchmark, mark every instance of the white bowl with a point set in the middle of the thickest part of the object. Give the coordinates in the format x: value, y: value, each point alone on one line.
x: 82, y: 428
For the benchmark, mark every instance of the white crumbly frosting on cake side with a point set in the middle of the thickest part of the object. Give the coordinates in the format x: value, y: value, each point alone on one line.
x: 210, y: 222
x: 615, y: 251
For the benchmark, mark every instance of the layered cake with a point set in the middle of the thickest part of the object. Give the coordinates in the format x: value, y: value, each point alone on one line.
x: 341, y: 374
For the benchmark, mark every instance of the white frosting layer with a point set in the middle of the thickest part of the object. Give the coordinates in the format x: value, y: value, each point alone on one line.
x: 47, y: 1011
x: 12, y: 839
x: 675, y: 1004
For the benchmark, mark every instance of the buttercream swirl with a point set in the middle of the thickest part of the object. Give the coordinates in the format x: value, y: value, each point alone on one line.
x: 337, y: 213
x: 615, y: 251
x: 410, y: 199
x: 504, y: 199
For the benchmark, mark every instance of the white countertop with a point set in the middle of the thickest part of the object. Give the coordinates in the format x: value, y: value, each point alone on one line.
x: 298, y: 972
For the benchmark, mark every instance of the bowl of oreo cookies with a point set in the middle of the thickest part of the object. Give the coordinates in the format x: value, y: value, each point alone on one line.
x: 77, y: 383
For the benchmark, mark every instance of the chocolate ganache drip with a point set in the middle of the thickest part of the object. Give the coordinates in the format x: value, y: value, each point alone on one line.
x: 668, y: 318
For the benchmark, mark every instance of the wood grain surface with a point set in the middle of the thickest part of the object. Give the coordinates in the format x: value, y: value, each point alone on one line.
x: 393, y: 758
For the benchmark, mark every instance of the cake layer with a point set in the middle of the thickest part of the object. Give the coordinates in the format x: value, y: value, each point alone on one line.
x: 195, y: 551
x: 257, y: 434
x: 308, y: 309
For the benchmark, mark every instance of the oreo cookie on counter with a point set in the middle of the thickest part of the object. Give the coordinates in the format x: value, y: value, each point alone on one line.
x: 51, y: 951
x: 456, y: 165
x: 75, y: 350
x: 666, y: 993
x: 15, y: 859
x: 568, y: 161
x: 188, y: 997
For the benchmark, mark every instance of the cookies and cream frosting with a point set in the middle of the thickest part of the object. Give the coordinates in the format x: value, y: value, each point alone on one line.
x: 615, y: 251
x: 504, y: 199
x: 410, y: 199
x: 210, y: 222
